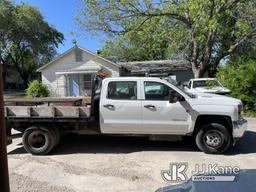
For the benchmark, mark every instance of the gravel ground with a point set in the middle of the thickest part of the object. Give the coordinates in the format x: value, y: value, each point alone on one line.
x: 89, y: 163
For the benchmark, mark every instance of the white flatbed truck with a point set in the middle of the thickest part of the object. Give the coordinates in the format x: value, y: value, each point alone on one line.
x: 133, y: 106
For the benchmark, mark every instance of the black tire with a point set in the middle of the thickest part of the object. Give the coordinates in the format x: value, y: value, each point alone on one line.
x: 213, y: 138
x: 38, y: 141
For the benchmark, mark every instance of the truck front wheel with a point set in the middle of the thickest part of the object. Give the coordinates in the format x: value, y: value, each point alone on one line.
x: 38, y: 141
x: 213, y: 138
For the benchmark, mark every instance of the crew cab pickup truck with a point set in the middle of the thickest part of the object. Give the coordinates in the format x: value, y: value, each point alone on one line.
x: 206, y: 85
x: 134, y: 106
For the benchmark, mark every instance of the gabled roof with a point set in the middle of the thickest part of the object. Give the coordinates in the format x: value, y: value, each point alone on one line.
x: 69, y: 51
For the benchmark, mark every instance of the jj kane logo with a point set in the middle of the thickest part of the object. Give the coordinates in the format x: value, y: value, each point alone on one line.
x: 203, y: 172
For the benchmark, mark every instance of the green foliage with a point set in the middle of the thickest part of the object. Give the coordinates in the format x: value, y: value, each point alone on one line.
x: 212, y: 83
x: 148, y: 44
x: 37, y: 89
x: 240, y: 79
x: 203, y: 31
x: 27, y: 41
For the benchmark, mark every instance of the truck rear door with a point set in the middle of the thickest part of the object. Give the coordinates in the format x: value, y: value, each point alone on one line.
x: 120, y: 108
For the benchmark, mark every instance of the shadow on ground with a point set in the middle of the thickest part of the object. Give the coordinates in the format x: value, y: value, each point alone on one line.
x: 71, y: 144
x: 245, y: 145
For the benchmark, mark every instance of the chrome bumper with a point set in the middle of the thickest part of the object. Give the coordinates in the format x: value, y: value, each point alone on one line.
x: 239, y: 128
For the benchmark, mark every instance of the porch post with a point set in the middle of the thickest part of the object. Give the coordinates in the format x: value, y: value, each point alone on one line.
x: 79, y: 84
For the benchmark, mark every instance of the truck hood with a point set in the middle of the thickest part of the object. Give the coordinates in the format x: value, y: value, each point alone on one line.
x: 214, y: 99
x: 217, y: 89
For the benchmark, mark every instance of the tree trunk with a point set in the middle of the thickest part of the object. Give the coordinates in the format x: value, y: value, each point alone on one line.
x: 25, y: 79
x: 4, y: 70
x: 212, y: 71
x: 24, y: 76
x: 198, y: 71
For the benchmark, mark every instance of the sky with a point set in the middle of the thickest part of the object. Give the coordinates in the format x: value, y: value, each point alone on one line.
x: 60, y: 13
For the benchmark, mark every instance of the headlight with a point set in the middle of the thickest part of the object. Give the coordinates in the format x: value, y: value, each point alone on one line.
x: 240, y: 111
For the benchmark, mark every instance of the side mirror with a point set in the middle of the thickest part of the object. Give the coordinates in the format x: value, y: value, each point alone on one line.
x: 174, y: 97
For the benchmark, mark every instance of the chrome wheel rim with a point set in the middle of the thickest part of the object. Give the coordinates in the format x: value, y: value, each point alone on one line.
x: 213, y: 139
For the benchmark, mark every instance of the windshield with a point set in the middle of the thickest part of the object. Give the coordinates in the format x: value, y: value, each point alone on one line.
x: 206, y: 83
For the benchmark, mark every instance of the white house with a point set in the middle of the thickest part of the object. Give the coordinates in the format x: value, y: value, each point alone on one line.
x: 70, y: 74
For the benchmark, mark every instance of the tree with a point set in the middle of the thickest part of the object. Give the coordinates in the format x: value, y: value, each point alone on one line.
x: 240, y: 79
x: 149, y: 44
x: 243, y: 53
x: 212, y: 29
x: 26, y: 39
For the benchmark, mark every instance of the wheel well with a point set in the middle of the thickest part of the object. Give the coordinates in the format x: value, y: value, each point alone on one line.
x: 221, y: 119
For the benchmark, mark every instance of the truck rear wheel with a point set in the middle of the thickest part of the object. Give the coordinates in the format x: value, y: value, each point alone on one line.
x: 38, y: 141
x: 213, y: 138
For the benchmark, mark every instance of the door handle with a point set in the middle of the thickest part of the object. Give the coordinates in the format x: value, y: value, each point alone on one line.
x: 150, y: 107
x: 109, y: 106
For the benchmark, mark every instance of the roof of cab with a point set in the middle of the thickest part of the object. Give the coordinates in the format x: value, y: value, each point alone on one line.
x: 133, y: 78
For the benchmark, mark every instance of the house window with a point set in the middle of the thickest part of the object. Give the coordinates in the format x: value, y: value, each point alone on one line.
x: 87, y: 81
x: 79, y: 56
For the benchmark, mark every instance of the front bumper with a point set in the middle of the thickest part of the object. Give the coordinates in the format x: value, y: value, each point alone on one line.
x: 239, y: 128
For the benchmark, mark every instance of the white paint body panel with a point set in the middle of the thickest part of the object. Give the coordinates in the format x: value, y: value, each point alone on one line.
x: 125, y: 117
x: 130, y: 116
x: 166, y: 118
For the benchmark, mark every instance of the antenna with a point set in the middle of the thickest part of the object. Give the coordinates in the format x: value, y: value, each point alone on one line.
x: 74, y: 41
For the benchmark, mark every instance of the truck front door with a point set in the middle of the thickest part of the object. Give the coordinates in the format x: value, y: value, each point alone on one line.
x: 120, y: 108
x: 159, y: 115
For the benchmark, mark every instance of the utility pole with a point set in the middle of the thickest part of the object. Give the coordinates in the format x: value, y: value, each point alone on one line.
x: 4, y: 176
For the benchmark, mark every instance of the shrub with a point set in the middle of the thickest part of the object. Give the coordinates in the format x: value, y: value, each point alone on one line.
x: 37, y: 89
x: 241, y: 80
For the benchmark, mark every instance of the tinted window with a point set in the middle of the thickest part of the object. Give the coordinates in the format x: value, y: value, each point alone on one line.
x: 156, y: 91
x: 122, y: 90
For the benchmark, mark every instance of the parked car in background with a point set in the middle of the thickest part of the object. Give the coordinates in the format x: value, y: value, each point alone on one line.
x: 205, y: 85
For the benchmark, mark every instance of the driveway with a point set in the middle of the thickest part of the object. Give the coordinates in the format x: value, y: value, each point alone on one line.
x: 90, y: 163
